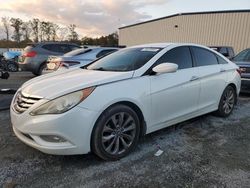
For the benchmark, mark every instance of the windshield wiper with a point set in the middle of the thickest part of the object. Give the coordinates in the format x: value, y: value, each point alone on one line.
x: 100, y: 69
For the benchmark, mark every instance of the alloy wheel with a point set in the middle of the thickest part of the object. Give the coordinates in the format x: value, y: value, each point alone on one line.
x: 228, y: 101
x: 118, y: 133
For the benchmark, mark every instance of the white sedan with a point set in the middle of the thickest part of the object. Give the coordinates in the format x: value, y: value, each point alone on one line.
x: 107, y: 106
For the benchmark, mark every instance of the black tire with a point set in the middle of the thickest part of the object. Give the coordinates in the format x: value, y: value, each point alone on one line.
x: 12, y: 67
x: 105, y: 133
x: 227, y: 102
x: 40, y: 70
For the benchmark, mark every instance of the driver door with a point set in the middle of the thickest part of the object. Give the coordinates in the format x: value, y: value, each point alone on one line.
x: 174, y: 96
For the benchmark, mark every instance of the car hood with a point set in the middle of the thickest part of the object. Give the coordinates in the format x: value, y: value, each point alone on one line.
x: 57, y: 84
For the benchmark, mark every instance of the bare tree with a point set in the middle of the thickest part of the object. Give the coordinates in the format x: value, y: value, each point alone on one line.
x: 73, y: 36
x: 35, y: 28
x: 62, y: 33
x: 26, y: 30
x: 54, y: 29
x: 16, y: 23
x: 6, y: 26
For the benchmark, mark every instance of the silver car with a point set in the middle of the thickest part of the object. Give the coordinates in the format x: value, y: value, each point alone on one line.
x: 34, y: 57
x: 79, y: 57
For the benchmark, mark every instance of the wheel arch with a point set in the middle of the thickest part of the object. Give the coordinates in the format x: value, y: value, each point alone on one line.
x: 133, y: 106
x: 235, y: 89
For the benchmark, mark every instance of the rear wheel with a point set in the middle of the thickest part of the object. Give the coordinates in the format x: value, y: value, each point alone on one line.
x: 116, y: 133
x: 40, y: 70
x: 227, y: 102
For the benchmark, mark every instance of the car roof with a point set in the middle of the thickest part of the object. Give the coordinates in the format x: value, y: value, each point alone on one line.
x: 51, y: 42
x: 153, y: 45
x: 220, y: 47
x: 164, y: 45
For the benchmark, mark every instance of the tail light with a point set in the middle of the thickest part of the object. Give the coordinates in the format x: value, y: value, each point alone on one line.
x: 30, y: 54
x: 239, y: 71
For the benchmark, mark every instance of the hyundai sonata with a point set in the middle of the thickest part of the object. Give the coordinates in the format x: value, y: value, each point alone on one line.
x: 105, y: 107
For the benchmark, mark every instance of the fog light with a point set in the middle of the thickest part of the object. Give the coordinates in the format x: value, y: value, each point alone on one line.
x: 52, y: 138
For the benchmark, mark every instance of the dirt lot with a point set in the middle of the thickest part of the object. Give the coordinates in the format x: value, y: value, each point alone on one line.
x: 204, y: 152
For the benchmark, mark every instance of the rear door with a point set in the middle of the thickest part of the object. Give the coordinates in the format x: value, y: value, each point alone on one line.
x: 212, y: 75
x: 175, y: 95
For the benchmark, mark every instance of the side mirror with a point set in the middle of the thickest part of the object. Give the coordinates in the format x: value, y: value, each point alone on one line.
x: 165, y: 68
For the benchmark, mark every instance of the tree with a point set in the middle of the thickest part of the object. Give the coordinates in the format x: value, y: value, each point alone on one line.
x: 16, y: 23
x: 62, y: 33
x: 54, y: 29
x: 73, y: 36
x: 35, y: 28
x: 6, y: 26
x: 26, y: 29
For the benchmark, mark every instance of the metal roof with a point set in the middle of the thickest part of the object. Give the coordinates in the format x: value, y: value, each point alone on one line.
x: 188, y: 13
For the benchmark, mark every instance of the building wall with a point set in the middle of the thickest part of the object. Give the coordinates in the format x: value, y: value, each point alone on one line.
x: 229, y: 29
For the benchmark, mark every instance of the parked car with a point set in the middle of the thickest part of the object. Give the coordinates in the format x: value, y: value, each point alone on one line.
x: 34, y: 57
x: 227, y: 51
x: 12, y: 55
x: 106, y: 106
x: 242, y: 59
x: 8, y: 64
x: 79, y: 57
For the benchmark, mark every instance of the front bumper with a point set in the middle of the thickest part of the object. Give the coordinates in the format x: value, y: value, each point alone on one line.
x: 245, y: 85
x: 75, y: 126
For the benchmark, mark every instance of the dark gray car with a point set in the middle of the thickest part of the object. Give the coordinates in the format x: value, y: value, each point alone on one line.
x: 34, y: 56
x: 227, y: 51
x: 243, y: 61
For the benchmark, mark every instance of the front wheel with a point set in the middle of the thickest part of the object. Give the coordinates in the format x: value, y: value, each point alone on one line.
x: 12, y: 67
x: 116, y: 133
x: 227, y: 102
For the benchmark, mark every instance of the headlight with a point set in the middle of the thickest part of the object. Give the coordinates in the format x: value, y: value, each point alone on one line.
x: 63, y: 103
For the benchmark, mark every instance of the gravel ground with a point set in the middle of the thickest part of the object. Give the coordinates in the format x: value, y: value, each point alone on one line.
x: 203, y: 152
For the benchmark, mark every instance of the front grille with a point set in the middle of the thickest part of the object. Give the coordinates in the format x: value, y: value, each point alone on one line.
x: 245, y: 69
x: 23, y: 101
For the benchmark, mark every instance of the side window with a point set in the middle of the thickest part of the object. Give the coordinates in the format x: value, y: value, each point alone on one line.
x: 104, y: 52
x: 221, y: 60
x: 72, y: 47
x: 231, y: 52
x: 179, y: 55
x: 204, y: 57
x: 223, y: 50
x: 58, y: 48
x: 64, y: 48
x: 50, y: 47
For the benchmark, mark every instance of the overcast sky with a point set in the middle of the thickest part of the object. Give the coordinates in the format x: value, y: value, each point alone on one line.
x: 102, y: 17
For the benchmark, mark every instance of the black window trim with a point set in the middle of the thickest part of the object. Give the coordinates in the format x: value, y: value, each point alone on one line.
x: 150, y: 71
x: 195, y: 60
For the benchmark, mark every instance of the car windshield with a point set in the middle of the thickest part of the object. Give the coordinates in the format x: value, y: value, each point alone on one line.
x: 243, y: 56
x: 125, y: 60
x: 77, y: 52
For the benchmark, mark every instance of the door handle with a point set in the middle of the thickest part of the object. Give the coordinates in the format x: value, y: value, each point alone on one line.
x: 222, y: 70
x: 193, y: 78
